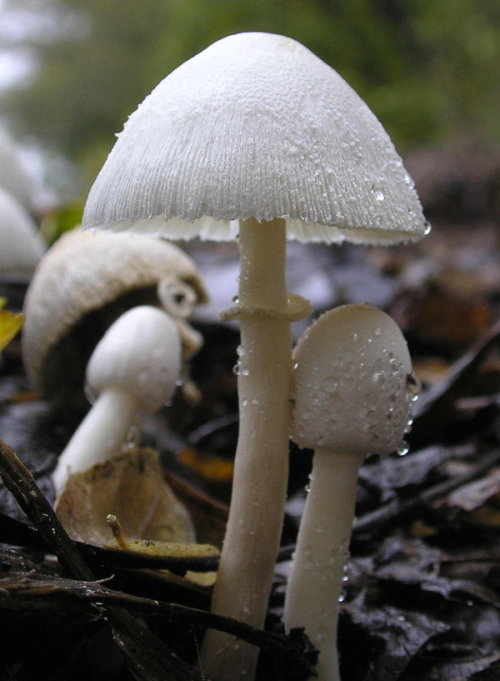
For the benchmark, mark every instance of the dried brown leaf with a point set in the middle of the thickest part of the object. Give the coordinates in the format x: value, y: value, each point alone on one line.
x: 131, y: 487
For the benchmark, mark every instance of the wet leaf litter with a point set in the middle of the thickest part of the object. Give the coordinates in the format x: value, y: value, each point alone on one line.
x: 421, y: 591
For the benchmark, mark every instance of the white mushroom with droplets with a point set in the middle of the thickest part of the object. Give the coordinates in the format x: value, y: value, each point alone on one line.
x: 256, y: 138
x: 353, y: 391
x: 84, y: 282
x: 134, y: 368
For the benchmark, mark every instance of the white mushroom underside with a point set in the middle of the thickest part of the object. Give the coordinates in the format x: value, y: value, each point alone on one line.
x: 256, y: 126
x: 227, y: 230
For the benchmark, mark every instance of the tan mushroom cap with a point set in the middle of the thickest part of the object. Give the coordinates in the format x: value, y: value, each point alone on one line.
x: 85, y: 274
x: 256, y: 126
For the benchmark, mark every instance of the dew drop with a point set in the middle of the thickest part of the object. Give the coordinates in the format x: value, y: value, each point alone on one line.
x: 379, y: 195
x: 133, y: 437
x: 330, y: 385
x: 412, y: 387
x: 403, y: 449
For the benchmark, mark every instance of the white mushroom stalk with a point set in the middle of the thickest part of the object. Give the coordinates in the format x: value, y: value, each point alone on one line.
x: 133, y: 369
x: 256, y: 137
x: 353, y: 388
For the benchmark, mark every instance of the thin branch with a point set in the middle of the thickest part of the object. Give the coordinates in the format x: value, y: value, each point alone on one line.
x: 147, y: 657
x: 18, y: 533
x: 398, y: 507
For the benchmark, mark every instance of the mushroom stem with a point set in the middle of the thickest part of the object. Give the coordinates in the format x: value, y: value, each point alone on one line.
x: 99, y: 436
x: 315, y: 582
x: 352, y: 396
x: 254, y: 527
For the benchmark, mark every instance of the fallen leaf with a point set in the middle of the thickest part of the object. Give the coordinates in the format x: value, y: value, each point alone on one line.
x: 10, y: 324
x: 131, y: 487
x: 214, y: 468
x: 475, y: 494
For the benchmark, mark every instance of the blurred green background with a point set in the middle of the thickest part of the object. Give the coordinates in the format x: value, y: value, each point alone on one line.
x: 429, y: 69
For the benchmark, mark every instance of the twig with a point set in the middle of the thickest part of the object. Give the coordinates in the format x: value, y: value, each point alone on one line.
x: 43, y: 586
x: 147, y: 658
x: 399, y: 507
x: 20, y: 534
x: 438, y: 405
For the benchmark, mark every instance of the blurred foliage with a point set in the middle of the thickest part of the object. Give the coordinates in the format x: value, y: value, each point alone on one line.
x: 428, y: 68
x: 60, y: 219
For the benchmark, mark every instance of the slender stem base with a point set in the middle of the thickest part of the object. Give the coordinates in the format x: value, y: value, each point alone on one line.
x: 315, y: 583
x: 98, y: 437
x: 254, y: 527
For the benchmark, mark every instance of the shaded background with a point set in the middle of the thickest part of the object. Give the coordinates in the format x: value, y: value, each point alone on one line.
x: 423, y: 594
x: 71, y: 71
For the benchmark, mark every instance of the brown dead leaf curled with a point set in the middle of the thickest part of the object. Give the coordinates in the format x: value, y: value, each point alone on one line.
x: 131, y: 487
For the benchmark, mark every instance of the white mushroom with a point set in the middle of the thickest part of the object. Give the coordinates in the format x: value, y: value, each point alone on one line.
x: 21, y: 247
x: 133, y: 369
x: 13, y: 177
x: 84, y: 282
x: 256, y: 138
x: 353, y: 389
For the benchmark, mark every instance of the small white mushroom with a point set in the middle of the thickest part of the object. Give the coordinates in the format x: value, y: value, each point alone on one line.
x: 134, y: 368
x: 353, y: 390
x: 256, y: 138
x: 84, y: 282
x: 21, y: 247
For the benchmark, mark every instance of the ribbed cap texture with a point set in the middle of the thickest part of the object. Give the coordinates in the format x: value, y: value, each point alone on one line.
x: 256, y: 126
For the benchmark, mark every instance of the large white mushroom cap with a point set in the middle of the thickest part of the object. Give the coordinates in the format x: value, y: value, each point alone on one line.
x: 256, y: 126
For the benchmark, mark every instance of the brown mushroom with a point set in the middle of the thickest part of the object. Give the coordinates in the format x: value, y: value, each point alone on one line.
x: 82, y: 285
